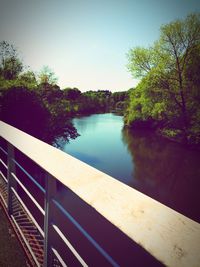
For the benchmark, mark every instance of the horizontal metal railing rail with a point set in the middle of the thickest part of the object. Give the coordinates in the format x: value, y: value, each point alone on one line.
x: 167, y: 235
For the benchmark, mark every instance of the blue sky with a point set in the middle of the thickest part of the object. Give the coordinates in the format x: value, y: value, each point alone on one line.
x: 85, y: 42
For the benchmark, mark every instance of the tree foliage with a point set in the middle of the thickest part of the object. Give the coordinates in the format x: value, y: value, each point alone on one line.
x: 10, y: 64
x: 71, y: 93
x: 32, y: 106
x: 23, y: 109
x: 47, y: 76
x: 168, y: 94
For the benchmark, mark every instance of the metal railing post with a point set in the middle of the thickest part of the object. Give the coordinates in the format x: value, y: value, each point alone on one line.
x: 11, y: 169
x: 50, y: 188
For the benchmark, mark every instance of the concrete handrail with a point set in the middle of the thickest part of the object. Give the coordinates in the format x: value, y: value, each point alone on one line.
x: 169, y: 236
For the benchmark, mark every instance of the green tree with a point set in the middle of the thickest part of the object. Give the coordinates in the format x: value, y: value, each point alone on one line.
x: 47, y: 76
x: 27, y: 79
x: 166, y: 89
x: 71, y: 93
x: 36, y: 107
x: 23, y: 109
x: 49, y: 93
x: 10, y: 64
x: 60, y: 124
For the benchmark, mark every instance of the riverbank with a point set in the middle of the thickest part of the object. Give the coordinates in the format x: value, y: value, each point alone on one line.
x: 172, y: 135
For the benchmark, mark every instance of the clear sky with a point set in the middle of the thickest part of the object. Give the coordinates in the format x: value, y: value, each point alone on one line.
x: 85, y: 42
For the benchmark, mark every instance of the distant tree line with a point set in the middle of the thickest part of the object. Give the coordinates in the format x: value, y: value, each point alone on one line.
x: 167, y: 99
x: 37, y: 105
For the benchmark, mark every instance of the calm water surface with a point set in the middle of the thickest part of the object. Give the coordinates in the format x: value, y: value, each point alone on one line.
x: 159, y: 168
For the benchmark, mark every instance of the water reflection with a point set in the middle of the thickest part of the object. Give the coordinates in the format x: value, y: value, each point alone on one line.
x: 100, y: 145
x: 165, y: 171
x: 85, y: 123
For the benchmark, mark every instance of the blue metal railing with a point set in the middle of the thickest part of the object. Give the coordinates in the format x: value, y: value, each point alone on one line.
x: 43, y: 239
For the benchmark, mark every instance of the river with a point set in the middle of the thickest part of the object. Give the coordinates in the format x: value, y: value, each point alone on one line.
x: 163, y: 170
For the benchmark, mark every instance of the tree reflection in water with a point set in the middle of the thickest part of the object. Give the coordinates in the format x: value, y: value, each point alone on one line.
x: 165, y: 171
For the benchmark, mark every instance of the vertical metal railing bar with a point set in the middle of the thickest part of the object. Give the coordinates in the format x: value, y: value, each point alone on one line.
x: 28, y: 193
x: 59, y: 257
x: 10, y: 170
x: 69, y: 245
x: 50, y: 188
x: 25, y: 241
x: 29, y: 176
x: 28, y: 212
x: 80, y: 228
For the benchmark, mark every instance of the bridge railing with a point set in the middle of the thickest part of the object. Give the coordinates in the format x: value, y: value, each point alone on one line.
x: 70, y: 214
